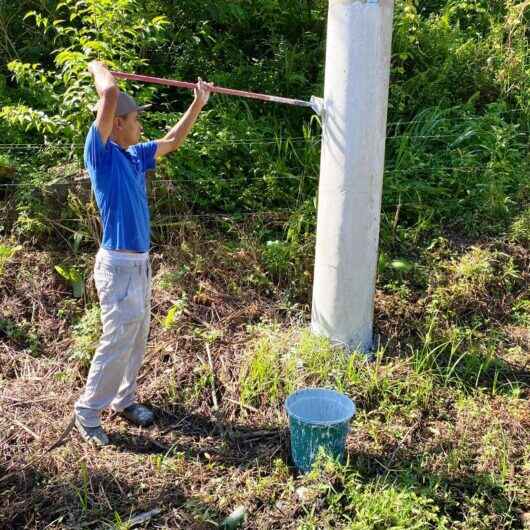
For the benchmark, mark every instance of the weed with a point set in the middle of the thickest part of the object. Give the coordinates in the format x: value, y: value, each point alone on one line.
x: 171, y: 461
x: 119, y: 523
x: 264, y: 374
x: 86, y: 333
x: 171, y: 279
x: 362, y: 504
x: 381, y: 505
x: 83, y: 491
x: 280, y: 362
x: 277, y: 257
x: 521, y: 312
x: 202, y: 379
x: 21, y: 333
x: 6, y: 253
x: 74, y: 277
x: 175, y: 312
x: 466, y: 288
x: 520, y: 228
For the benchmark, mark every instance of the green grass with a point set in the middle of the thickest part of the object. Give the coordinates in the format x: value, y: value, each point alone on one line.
x: 6, y: 253
x: 85, y: 334
x: 468, y: 464
x: 520, y: 228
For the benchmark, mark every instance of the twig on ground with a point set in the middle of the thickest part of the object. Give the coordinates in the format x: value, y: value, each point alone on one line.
x: 212, y: 380
x: 173, y: 426
x: 24, y: 402
x: 402, y: 442
x: 27, y: 429
x: 254, y: 435
x: 63, y: 436
x: 158, y: 445
x: 242, y: 405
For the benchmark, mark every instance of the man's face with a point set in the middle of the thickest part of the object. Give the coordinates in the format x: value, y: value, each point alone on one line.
x: 129, y: 129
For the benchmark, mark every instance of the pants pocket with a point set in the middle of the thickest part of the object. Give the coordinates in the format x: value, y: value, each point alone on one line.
x: 121, y: 297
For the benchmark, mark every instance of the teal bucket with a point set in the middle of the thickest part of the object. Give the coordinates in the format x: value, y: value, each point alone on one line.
x: 318, y: 419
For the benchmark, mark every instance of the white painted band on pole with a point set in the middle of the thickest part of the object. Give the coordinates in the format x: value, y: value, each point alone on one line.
x: 357, y: 76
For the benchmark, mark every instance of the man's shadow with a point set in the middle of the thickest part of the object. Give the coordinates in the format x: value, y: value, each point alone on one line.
x: 207, y: 439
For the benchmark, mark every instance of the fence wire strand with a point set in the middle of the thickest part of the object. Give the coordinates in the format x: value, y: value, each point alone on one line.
x: 226, y: 143
x: 235, y: 181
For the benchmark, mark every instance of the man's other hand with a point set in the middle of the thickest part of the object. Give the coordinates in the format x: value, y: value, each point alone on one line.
x: 94, y: 65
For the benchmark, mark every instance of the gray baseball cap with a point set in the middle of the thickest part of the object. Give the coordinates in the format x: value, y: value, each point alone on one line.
x: 125, y: 105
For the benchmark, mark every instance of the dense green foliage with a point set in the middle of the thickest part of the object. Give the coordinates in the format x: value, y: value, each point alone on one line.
x: 460, y: 75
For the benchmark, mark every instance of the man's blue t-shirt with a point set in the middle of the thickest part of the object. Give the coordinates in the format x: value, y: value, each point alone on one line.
x: 118, y: 181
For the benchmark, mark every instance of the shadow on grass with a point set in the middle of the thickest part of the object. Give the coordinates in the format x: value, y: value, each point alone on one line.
x: 208, y: 440
x: 37, y: 497
x: 98, y: 499
x: 42, y: 496
x: 493, y: 373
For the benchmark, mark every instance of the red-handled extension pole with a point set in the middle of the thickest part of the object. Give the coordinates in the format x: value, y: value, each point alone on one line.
x: 220, y: 90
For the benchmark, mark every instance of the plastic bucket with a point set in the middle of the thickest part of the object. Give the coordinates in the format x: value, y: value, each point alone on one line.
x: 318, y: 419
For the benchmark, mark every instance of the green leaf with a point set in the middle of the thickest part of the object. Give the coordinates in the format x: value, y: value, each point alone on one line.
x: 402, y: 265
x: 30, y: 14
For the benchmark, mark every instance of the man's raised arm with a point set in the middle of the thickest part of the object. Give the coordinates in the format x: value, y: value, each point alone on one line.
x: 176, y: 136
x: 108, y: 98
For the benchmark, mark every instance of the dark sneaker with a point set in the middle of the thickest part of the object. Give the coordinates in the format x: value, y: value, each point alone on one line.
x: 93, y: 435
x: 139, y: 415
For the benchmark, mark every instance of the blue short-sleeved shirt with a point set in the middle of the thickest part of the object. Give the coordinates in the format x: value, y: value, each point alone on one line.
x: 119, y: 184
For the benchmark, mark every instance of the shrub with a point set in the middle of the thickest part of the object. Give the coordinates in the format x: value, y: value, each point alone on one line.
x: 86, y: 335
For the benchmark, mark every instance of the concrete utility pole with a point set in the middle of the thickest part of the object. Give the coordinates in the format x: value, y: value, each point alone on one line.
x: 359, y: 38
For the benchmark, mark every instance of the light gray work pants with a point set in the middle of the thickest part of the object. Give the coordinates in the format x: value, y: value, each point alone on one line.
x: 123, y: 283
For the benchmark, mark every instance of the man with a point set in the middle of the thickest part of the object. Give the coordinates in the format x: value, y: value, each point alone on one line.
x: 117, y: 165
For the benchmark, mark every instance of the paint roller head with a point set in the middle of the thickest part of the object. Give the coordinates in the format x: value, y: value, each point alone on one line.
x: 317, y: 104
